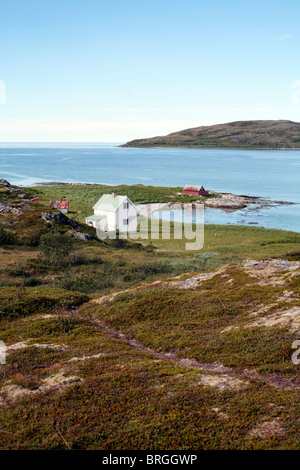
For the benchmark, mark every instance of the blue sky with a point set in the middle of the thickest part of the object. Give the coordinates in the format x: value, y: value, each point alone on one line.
x: 93, y: 70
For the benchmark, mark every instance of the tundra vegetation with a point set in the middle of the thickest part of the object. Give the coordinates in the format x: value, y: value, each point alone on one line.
x: 145, y: 346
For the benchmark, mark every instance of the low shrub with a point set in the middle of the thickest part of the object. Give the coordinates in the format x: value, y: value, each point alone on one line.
x: 32, y: 282
x: 23, y: 301
x: 79, y: 259
x: 17, y: 270
x: 6, y: 236
x: 55, y: 247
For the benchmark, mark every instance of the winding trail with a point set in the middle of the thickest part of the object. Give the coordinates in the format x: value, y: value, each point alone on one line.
x: 264, y: 272
x: 275, y: 380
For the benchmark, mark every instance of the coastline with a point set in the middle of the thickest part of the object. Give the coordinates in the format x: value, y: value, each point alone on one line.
x: 225, y: 201
x: 195, y: 147
x: 239, y: 208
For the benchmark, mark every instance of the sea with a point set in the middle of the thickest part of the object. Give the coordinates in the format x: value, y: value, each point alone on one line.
x: 272, y: 174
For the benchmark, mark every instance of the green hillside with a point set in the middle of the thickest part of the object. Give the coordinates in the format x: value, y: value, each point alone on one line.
x: 239, y: 135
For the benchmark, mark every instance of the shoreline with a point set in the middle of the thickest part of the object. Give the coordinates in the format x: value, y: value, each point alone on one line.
x: 205, y: 148
x: 226, y: 201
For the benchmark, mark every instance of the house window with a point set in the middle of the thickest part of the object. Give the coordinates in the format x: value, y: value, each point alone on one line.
x: 126, y: 222
x: 126, y: 205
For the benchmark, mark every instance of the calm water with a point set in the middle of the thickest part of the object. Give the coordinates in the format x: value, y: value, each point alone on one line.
x: 267, y: 173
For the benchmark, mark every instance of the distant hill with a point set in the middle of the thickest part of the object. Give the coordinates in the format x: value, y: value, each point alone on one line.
x: 239, y: 134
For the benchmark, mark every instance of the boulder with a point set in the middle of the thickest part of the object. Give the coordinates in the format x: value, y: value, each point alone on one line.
x: 82, y: 236
x: 4, y: 207
x: 4, y: 183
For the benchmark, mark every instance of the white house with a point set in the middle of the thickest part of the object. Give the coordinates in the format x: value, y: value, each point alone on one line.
x: 113, y: 213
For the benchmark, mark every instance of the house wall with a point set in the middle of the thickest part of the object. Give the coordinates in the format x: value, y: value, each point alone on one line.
x: 116, y: 220
x: 110, y: 219
x: 203, y: 192
x: 192, y: 193
x: 101, y: 224
x: 124, y: 213
x: 98, y: 224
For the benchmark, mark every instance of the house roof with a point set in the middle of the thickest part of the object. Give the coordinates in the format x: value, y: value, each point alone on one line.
x: 109, y: 203
x: 96, y: 217
x: 192, y: 187
x: 60, y: 204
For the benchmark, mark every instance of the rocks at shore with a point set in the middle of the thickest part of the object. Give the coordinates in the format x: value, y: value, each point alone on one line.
x: 223, y: 203
x: 229, y: 201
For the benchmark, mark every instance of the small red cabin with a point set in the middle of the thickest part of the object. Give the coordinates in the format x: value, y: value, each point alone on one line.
x: 63, y: 206
x: 195, y: 190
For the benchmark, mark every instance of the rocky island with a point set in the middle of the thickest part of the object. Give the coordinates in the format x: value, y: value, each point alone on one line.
x: 233, y: 135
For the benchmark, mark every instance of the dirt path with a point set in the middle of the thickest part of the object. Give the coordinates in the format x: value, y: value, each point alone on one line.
x: 228, y: 377
x: 265, y: 272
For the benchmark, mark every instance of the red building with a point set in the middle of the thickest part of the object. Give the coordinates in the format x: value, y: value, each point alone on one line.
x: 62, y: 206
x: 194, y: 190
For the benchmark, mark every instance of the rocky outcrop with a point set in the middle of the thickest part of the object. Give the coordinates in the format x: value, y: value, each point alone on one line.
x: 5, y: 208
x: 4, y: 183
x: 224, y: 203
x: 59, y: 217
x: 82, y: 236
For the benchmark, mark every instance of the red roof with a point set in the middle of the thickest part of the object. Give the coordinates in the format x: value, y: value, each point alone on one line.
x: 192, y: 187
x: 60, y: 204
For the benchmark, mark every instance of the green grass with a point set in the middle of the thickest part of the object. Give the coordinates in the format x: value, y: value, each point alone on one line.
x: 98, y: 268
x: 84, y: 197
